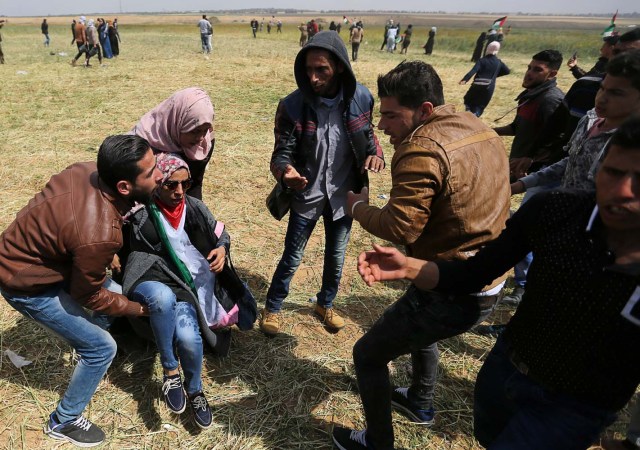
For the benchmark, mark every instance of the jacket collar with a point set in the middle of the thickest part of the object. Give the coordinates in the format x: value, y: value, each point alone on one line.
x: 528, y: 94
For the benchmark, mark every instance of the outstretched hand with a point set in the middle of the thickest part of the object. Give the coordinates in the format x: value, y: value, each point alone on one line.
x: 382, y: 264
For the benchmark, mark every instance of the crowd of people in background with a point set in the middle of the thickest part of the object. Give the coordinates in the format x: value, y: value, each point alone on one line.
x: 99, y: 37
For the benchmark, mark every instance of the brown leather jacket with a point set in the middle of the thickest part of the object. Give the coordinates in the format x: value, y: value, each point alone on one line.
x: 450, y: 190
x: 67, y: 234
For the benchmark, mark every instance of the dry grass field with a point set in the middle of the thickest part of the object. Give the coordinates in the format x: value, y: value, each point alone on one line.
x: 279, y: 393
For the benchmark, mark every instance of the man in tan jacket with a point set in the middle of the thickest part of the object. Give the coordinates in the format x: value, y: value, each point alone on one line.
x: 449, y: 197
x: 53, y: 260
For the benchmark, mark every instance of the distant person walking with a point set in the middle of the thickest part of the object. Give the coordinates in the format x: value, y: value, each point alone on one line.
x: 44, y: 27
x: 205, y: 31
x: 477, y: 52
x: 93, y: 44
x: 428, y: 47
x: 113, y: 38
x: 392, y: 32
x: 254, y: 27
x: 304, y: 34
x: 406, y: 40
x: 103, y: 36
x: 73, y: 31
x: 80, y: 37
x: 357, y: 34
x: 2, y: 22
x: 486, y: 70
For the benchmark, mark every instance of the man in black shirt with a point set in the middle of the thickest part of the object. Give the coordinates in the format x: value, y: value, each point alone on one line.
x: 567, y: 361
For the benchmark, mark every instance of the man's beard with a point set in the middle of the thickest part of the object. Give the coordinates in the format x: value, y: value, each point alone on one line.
x: 140, y: 196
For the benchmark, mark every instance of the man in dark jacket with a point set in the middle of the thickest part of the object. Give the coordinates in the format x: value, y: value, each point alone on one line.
x: 535, y: 134
x: 324, y: 144
x: 53, y: 260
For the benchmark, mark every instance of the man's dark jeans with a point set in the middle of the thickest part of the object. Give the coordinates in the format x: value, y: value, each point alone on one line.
x: 513, y: 412
x: 414, y: 324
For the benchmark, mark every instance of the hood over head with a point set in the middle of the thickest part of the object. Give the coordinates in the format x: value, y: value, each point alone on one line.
x: 333, y: 43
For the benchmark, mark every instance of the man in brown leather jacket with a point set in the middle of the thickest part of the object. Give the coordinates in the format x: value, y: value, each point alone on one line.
x: 53, y: 260
x: 449, y: 197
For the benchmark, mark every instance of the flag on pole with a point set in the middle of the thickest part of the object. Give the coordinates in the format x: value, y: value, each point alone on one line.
x: 609, y: 30
x: 499, y: 23
x: 345, y: 20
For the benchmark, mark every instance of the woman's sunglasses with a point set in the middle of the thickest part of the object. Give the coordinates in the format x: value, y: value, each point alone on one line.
x: 172, y: 185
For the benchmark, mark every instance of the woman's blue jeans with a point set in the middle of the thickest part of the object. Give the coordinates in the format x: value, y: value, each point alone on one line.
x: 175, y: 325
x: 298, y: 232
x: 56, y: 311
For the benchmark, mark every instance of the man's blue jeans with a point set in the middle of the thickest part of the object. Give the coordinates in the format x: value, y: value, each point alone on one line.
x: 56, y: 311
x: 414, y: 324
x: 173, y: 323
x: 513, y: 412
x: 298, y: 232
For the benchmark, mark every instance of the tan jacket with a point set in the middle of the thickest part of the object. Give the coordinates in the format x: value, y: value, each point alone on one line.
x: 67, y: 234
x: 356, y: 35
x: 450, y: 190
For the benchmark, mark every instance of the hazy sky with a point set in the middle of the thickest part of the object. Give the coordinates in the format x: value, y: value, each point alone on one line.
x: 74, y: 7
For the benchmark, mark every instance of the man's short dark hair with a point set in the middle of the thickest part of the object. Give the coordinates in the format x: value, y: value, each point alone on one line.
x: 627, y: 65
x: 412, y: 83
x: 553, y: 58
x: 628, y: 134
x: 630, y: 36
x: 118, y: 158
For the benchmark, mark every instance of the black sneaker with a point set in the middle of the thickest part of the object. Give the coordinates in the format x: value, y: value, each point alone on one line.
x: 79, y: 431
x: 514, y: 298
x: 346, y: 439
x: 174, y: 395
x: 400, y: 401
x: 201, y: 410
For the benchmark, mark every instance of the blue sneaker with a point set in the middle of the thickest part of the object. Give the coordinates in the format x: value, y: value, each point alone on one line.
x: 174, y: 395
x: 201, y: 410
x: 400, y: 401
x: 79, y: 431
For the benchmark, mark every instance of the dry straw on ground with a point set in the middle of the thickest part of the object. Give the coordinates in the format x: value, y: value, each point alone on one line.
x: 280, y: 393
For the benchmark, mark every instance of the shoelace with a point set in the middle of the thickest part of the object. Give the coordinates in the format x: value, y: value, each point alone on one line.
x: 82, y: 422
x: 359, y: 437
x: 402, y: 391
x: 199, y: 403
x: 171, y: 383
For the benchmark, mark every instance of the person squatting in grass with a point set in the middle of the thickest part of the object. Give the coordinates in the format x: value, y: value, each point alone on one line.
x: 175, y: 268
x: 328, y: 103
x: 53, y: 260
x: 567, y: 361
x: 450, y: 197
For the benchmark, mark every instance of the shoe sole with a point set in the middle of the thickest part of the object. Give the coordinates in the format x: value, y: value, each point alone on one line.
x: 203, y: 427
x: 62, y: 437
x: 183, y: 406
x: 410, y: 415
x: 269, y: 333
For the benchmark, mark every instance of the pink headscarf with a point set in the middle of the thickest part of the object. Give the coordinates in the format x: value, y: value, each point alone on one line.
x: 169, y: 163
x: 182, y: 112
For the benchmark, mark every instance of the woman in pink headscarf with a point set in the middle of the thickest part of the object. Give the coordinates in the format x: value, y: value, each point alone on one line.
x: 183, y: 124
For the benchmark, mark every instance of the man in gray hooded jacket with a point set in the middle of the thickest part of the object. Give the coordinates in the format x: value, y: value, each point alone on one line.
x: 324, y: 145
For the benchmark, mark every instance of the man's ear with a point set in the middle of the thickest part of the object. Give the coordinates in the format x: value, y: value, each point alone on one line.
x: 426, y: 109
x: 552, y: 74
x: 124, y: 188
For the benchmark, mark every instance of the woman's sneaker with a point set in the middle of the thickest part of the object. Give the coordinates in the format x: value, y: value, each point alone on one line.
x: 201, y: 410
x: 174, y: 395
x: 79, y: 431
x: 400, y: 401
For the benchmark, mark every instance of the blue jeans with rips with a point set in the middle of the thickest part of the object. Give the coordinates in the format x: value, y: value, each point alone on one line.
x: 414, y: 324
x: 336, y: 239
x: 56, y: 311
x: 513, y: 412
x: 175, y: 325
